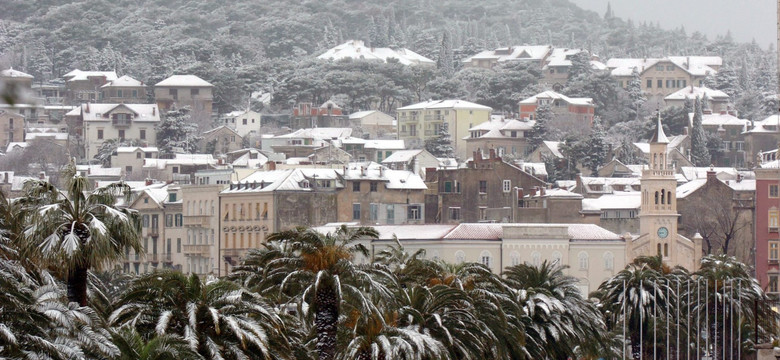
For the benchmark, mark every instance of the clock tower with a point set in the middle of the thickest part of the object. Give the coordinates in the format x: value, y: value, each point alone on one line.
x: 658, y: 213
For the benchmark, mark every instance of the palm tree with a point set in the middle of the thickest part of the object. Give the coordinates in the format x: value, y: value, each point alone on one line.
x: 12, y: 225
x: 319, y: 273
x: 161, y: 347
x: 562, y: 319
x: 219, y: 319
x: 79, y: 229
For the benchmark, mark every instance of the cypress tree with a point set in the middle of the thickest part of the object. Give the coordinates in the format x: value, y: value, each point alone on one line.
x: 700, y: 156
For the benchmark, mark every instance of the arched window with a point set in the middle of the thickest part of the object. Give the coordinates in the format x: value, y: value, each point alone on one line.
x: 609, y: 261
x: 666, y: 250
x: 659, y: 249
x: 669, y: 197
x: 460, y: 257
x: 536, y: 259
x: 435, y: 255
x: 656, y: 197
x: 583, y: 257
x: 556, y: 257
x: 515, y: 258
x: 655, y: 161
x: 486, y: 258
x: 663, y: 196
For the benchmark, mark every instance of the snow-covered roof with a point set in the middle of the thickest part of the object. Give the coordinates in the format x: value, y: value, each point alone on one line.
x: 445, y: 104
x: 514, y: 53
x: 402, y: 156
x: 659, y: 137
x: 361, y: 114
x: 721, y: 119
x: 99, y: 112
x: 222, y: 127
x: 394, y: 179
x: 184, y: 81
x: 723, y: 173
x: 375, y: 144
x: 78, y: 75
x: 247, y: 161
x: 322, y: 133
x: 616, y: 201
x: 236, y: 113
x: 282, y: 180
x: 11, y: 73
x: 124, y: 81
x: 181, y: 160
x: 694, y: 65
x: 13, y: 146
x: 556, y: 193
x: 356, y: 49
x: 99, y: 170
x: 609, y: 184
x: 498, y: 126
x: 402, y: 232
x: 129, y: 149
x: 771, y: 124
x: 553, y: 147
x: 534, y: 168
x: 694, y: 92
x: 552, y: 95
x: 48, y: 135
x: 17, y: 182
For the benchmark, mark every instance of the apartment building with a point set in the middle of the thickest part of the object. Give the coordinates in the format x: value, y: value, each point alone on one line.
x: 507, y: 136
x: 125, y: 89
x: 101, y: 122
x: 569, y: 114
x: 244, y: 122
x: 12, y: 127
x: 85, y: 86
x: 162, y: 231
x: 422, y: 121
x: 767, y: 223
x: 185, y: 91
x: 661, y: 77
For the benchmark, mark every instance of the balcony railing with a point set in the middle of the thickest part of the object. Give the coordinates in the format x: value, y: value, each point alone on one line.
x: 121, y: 122
x: 153, y: 232
x: 165, y: 257
x: 197, y: 220
x: 197, y: 249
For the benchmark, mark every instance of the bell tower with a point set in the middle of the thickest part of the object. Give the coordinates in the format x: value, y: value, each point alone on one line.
x: 658, y: 213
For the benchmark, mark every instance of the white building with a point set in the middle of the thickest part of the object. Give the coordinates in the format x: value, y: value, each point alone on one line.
x: 103, y: 122
x: 244, y: 122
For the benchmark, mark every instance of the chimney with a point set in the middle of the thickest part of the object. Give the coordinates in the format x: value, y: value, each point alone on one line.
x: 5, y: 177
x: 148, y: 182
x: 86, y: 108
x: 492, y: 153
x: 381, y: 173
x: 707, y: 111
x: 723, y: 112
x: 271, y: 166
x: 739, y: 178
x: 711, y: 175
x: 685, y: 130
x: 362, y: 171
x: 688, y: 63
x: 154, y: 110
x: 42, y: 175
x: 542, y: 191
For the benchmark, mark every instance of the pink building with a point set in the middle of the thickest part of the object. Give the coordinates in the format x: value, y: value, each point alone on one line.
x: 767, y: 219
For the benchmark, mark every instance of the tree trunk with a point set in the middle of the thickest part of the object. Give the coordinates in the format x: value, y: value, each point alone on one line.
x: 77, y: 285
x: 326, y: 320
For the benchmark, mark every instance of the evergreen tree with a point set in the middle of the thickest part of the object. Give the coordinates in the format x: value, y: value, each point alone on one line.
x: 595, y: 149
x: 445, y: 61
x: 580, y: 75
x: 177, y: 133
x: 441, y: 145
x: 544, y: 114
x: 700, y: 156
x: 635, y: 94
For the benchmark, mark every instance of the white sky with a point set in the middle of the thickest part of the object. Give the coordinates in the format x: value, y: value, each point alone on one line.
x: 747, y: 19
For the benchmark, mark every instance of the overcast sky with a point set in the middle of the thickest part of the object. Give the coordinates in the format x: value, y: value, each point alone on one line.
x: 747, y: 19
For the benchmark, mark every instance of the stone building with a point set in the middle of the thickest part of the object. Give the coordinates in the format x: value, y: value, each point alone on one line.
x: 12, y: 127
x: 123, y: 90
x: 161, y: 230
x: 507, y: 136
x: 185, y: 91
x: 85, y: 86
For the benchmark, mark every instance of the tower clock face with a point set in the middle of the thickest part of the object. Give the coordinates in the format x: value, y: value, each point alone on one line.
x: 663, y: 232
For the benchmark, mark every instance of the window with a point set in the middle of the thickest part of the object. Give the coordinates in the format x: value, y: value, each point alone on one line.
x: 583, y: 257
x: 483, y: 187
x: 177, y: 219
x: 356, y: 186
x: 373, y: 212
x: 454, y: 213
x: 145, y: 220
x: 659, y: 83
x: 355, y: 211
x: 175, y: 170
x: 659, y: 68
x: 128, y: 169
x: 372, y: 186
x: 243, y: 122
x: 536, y: 259
x: 507, y: 186
x: 772, y: 284
x: 194, y: 91
x: 773, y: 190
x: 178, y: 245
x: 609, y: 261
x: 774, y: 250
x: 556, y: 257
x: 169, y: 220
x: 173, y: 92
x: 172, y: 197
x: 515, y: 258
x: 649, y: 83
x: 448, y: 186
x: 669, y: 84
x: 100, y: 134
x: 414, y: 212
x: 739, y: 145
x: 121, y: 134
x: 669, y: 67
x: 119, y: 93
x: 773, y: 218
x: 485, y: 258
x: 142, y: 134
x: 460, y: 257
x: 155, y: 222
x: 135, y: 93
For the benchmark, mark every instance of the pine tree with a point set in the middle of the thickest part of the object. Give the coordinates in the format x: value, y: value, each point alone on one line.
x: 544, y: 114
x: 596, y: 149
x: 700, y: 156
x: 441, y: 145
x: 635, y: 94
x: 445, y: 62
x: 176, y: 132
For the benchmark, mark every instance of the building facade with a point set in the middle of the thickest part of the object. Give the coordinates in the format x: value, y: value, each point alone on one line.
x: 767, y: 224
x: 119, y: 122
x: 123, y: 90
x: 422, y: 121
x: 185, y: 91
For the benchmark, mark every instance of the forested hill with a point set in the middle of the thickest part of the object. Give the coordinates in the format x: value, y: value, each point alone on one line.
x: 245, y: 44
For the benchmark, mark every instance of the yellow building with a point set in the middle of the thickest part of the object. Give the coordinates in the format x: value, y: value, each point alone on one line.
x: 423, y: 121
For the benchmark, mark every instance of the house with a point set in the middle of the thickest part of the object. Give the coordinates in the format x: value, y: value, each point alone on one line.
x: 185, y: 91
x: 96, y: 173
x: 19, y: 81
x: 303, y: 142
x: 374, y: 194
x: 767, y: 225
x: 160, y: 209
x: 732, y: 132
x: 247, y: 159
x: 617, y: 212
x: 85, y: 86
x: 371, y: 150
x: 13, y: 127
x: 374, y: 124
x: 356, y: 50
x: 569, y: 114
x: 131, y: 159
x: 223, y: 138
x: 722, y: 212
x: 52, y: 92
x: 587, y: 252
x: 760, y: 138
x: 507, y: 136
x: 423, y: 121
x: 717, y: 100
x: 327, y: 115
x: 270, y: 201
x: 101, y: 122
x: 615, y: 168
x: 661, y: 77
x: 200, y: 209
x: 244, y: 122
x: 329, y: 155
x: 540, y: 205
x: 180, y: 169
x: 125, y: 89
x: 416, y: 161
x: 47, y: 133
x: 485, y: 189
x: 557, y: 64
x: 490, y: 58
x: 593, y: 187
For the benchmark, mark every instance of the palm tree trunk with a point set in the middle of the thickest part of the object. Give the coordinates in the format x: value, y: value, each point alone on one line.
x: 325, y: 320
x: 77, y: 285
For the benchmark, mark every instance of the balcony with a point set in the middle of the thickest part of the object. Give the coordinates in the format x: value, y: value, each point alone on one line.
x: 190, y: 250
x: 153, y: 232
x: 233, y: 256
x: 659, y: 173
x: 434, y: 117
x: 165, y: 257
x: 197, y: 220
x: 121, y: 123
